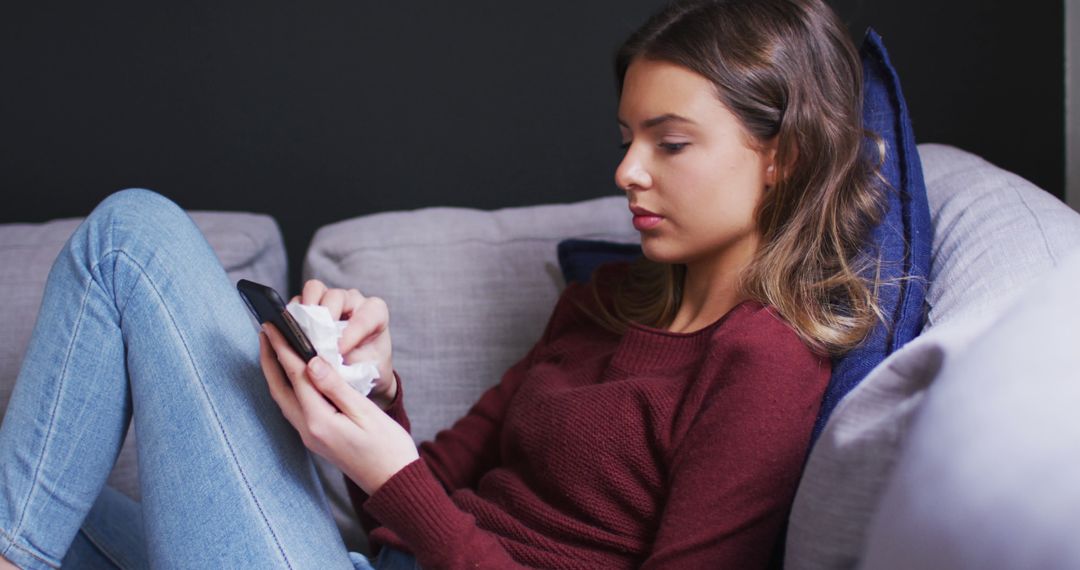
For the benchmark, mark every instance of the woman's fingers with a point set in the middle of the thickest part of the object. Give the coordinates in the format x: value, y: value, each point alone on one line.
x: 353, y: 300
x: 366, y: 336
x: 309, y: 400
x: 330, y: 384
x: 317, y: 388
x: 340, y: 302
x: 370, y: 318
x: 334, y: 301
x: 313, y: 292
x: 290, y: 362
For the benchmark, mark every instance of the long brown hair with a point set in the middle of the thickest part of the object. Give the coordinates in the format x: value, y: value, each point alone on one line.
x: 785, y: 69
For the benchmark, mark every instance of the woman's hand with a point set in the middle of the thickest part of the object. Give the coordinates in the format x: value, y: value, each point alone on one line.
x: 366, y: 337
x: 333, y: 419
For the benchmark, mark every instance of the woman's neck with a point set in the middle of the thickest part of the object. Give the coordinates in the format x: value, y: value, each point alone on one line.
x: 711, y: 288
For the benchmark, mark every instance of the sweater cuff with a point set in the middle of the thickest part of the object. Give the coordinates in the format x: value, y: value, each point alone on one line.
x: 414, y: 505
x: 396, y: 409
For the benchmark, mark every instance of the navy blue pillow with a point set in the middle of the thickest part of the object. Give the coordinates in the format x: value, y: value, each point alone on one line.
x: 579, y: 257
x: 902, y: 240
x: 905, y: 236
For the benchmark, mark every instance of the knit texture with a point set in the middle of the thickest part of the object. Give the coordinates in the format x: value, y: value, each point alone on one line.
x: 651, y: 449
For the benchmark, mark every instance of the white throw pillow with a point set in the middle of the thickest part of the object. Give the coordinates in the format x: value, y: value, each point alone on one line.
x: 988, y: 477
x: 854, y: 458
x: 994, y: 234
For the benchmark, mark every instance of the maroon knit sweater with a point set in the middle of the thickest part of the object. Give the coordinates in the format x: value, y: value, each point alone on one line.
x: 653, y: 449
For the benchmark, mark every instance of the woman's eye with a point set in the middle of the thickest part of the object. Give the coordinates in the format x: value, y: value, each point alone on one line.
x: 673, y: 147
x: 669, y: 147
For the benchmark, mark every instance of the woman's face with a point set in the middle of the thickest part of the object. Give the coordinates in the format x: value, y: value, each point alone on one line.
x: 688, y: 162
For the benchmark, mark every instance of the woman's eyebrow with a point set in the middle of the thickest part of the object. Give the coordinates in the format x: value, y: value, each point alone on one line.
x: 660, y: 119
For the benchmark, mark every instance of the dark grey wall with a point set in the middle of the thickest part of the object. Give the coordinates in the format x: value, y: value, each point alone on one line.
x: 316, y: 112
x: 987, y: 76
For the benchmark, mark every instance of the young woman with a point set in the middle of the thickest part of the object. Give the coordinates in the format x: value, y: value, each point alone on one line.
x: 661, y: 421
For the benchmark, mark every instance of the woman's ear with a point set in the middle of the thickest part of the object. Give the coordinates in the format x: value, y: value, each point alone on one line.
x: 777, y: 165
x: 769, y: 153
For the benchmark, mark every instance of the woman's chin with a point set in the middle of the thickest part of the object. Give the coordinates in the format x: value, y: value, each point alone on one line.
x: 656, y: 253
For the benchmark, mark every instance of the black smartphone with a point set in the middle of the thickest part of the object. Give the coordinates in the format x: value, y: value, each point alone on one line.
x: 267, y: 306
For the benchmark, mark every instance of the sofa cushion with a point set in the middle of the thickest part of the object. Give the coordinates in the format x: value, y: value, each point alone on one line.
x: 248, y: 245
x: 994, y: 233
x: 989, y: 482
x: 469, y: 293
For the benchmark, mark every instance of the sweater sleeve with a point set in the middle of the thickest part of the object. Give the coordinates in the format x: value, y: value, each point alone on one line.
x: 415, y: 506
x: 733, y: 476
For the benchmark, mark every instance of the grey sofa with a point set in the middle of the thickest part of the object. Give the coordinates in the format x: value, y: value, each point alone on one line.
x: 469, y: 292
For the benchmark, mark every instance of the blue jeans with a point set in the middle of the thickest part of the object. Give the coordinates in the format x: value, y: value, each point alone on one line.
x: 140, y: 321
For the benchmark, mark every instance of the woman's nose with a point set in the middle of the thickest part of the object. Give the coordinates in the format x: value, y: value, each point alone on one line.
x: 632, y: 173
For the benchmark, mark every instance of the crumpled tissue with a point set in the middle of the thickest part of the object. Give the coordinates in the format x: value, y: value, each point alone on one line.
x: 323, y: 332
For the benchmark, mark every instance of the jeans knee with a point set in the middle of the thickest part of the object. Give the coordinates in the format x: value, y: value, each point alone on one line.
x: 138, y: 211
x: 136, y: 221
x: 137, y: 202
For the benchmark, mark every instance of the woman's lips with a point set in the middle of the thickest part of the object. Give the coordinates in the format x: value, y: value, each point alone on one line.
x: 644, y: 219
x: 642, y: 223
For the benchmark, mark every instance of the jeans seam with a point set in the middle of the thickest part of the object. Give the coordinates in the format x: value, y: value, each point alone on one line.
x: 97, y: 542
x: 206, y: 396
x: 52, y: 423
x: 24, y: 550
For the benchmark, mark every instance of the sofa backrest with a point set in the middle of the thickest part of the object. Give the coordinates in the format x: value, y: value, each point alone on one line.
x: 469, y: 291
